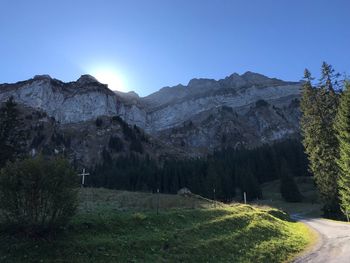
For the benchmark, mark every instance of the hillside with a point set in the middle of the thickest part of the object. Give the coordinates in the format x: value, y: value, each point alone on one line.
x: 90, y: 142
x: 115, y: 231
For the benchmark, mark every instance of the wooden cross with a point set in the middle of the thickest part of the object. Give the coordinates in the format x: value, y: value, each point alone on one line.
x: 83, y: 174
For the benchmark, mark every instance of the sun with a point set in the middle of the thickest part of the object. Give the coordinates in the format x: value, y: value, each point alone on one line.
x: 110, y: 77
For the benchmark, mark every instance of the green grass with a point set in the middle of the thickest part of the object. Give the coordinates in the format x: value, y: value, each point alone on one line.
x: 104, y: 232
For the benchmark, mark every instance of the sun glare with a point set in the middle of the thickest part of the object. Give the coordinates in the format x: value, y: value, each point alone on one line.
x: 110, y: 77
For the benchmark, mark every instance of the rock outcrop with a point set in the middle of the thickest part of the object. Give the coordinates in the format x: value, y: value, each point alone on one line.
x: 72, y: 102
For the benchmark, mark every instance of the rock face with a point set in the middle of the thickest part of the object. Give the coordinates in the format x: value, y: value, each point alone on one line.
x: 82, y: 100
x: 224, y: 126
x: 200, y: 98
x: 240, y: 110
x: 247, y: 109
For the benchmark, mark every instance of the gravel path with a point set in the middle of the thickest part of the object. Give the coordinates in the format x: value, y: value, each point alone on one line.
x: 334, y: 241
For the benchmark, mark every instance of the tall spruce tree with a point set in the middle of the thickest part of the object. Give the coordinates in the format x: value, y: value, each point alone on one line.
x: 319, y: 106
x: 342, y: 127
x: 11, y: 132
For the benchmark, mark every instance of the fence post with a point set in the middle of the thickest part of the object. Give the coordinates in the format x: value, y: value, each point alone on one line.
x: 214, y: 198
x: 157, y: 201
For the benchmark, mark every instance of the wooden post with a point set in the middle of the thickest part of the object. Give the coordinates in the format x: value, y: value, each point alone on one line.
x: 157, y: 201
x: 214, y: 198
x: 245, y: 197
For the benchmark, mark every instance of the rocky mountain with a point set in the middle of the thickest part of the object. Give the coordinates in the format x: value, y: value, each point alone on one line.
x: 72, y: 102
x: 240, y: 110
x: 88, y: 143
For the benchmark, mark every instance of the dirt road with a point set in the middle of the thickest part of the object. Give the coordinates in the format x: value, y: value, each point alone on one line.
x: 334, y: 241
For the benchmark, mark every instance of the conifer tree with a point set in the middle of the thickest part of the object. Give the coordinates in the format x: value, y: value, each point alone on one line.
x: 342, y: 126
x: 319, y: 107
x: 11, y: 132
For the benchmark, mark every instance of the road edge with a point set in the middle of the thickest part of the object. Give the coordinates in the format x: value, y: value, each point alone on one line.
x: 314, y: 244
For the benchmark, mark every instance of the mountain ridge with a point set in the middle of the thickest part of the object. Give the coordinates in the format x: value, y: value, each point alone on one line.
x: 165, y: 113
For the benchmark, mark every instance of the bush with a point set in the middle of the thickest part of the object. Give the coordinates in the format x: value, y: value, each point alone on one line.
x: 37, y: 196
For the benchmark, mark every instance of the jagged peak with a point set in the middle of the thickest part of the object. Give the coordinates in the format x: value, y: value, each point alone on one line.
x: 233, y: 75
x: 200, y: 81
x: 133, y: 93
x: 166, y: 88
x: 129, y: 94
x: 260, y: 79
x: 234, y: 80
x: 42, y: 77
x: 253, y: 76
x: 86, y: 78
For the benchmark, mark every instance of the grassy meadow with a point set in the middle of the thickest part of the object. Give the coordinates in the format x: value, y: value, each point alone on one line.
x: 120, y: 226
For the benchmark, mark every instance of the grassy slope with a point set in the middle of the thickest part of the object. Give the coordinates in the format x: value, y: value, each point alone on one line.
x: 102, y: 232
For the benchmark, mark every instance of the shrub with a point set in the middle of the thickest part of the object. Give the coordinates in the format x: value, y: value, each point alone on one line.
x: 37, y: 196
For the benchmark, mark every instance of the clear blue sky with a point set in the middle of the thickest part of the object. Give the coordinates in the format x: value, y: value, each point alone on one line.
x: 156, y: 43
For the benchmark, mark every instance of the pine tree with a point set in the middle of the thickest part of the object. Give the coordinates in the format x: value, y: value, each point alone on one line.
x: 342, y: 126
x: 319, y: 107
x: 11, y: 132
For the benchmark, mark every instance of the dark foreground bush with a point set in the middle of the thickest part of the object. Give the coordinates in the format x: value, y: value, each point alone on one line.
x: 37, y: 196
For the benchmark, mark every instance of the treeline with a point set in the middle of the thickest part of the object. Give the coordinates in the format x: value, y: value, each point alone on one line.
x: 230, y: 172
